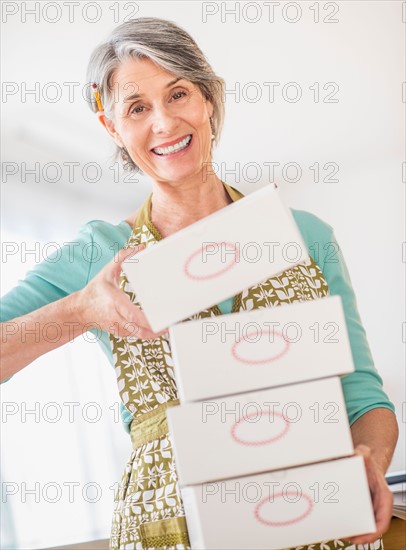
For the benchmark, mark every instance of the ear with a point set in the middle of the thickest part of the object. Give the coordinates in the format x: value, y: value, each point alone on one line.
x: 110, y: 127
x: 210, y: 108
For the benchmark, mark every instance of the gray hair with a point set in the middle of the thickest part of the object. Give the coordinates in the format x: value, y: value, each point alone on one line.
x: 170, y: 47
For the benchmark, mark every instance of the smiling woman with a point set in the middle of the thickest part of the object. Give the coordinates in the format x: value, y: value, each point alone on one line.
x: 135, y: 72
x: 162, y: 108
x: 163, y: 105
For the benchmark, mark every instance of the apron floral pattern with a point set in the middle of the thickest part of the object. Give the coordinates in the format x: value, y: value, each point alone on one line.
x: 149, y: 512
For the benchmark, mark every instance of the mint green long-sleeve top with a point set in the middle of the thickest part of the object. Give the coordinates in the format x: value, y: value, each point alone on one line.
x: 76, y: 263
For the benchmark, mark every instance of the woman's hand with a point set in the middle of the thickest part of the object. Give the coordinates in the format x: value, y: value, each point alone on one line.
x: 103, y: 304
x: 382, y: 497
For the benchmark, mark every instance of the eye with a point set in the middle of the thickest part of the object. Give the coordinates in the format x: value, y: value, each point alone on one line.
x: 135, y: 110
x: 139, y: 109
x: 179, y: 94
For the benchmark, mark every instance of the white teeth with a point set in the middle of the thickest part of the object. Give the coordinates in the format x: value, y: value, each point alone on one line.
x: 177, y: 147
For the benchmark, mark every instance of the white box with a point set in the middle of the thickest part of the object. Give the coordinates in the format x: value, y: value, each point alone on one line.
x: 260, y: 431
x: 215, y: 258
x: 261, y: 348
x: 283, y: 509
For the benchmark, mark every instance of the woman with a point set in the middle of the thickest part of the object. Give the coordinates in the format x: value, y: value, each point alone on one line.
x: 163, y: 105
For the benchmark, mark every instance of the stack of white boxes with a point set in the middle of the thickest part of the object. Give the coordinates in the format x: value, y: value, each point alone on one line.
x: 261, y: 439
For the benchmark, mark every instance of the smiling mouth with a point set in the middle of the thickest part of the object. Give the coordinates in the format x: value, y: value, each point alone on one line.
x: 166, y: 151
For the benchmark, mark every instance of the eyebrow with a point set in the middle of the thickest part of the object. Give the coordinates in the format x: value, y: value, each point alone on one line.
x: 136, y: 96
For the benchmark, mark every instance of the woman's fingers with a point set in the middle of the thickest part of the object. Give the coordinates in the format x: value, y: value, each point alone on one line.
x: 132, y: 316
x: 382, y: 498
x: 123, y: 328
x: 114, y: 268
x: 129, y: 311
x: 126, y: 308
x: 111, y: 307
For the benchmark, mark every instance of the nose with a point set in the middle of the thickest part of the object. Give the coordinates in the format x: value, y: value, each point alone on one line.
x: 163, y: 121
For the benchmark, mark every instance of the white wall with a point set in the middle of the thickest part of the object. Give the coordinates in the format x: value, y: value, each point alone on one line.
x: 362, y: 134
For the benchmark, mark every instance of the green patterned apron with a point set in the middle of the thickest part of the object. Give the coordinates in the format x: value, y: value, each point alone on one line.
x: 148, y: 512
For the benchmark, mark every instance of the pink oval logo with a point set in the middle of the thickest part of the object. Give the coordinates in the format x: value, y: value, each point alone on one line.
x: 239, y: 424
x: 206, y: 251
x: 236, y: 353
x: 283, y: 523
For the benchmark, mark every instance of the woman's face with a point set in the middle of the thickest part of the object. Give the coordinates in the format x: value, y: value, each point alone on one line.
x: 153, y: 110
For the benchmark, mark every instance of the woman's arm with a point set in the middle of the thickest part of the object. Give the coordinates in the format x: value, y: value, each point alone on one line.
x: 26, y: 338
x: 37, y: 314
x: 375, y: 435
x: 363, y: 388
x: 68, y: 294
x: 370, y: 411
x: 377, y: 429
x: 100, y: 304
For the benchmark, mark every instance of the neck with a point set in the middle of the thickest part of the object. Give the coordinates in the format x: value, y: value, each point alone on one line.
x: 180, y: 204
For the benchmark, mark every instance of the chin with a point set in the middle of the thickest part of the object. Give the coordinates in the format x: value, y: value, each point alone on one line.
x: 177, y: 174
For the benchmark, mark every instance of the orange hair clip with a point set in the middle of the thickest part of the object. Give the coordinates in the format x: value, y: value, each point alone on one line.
x: 97, y: 97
